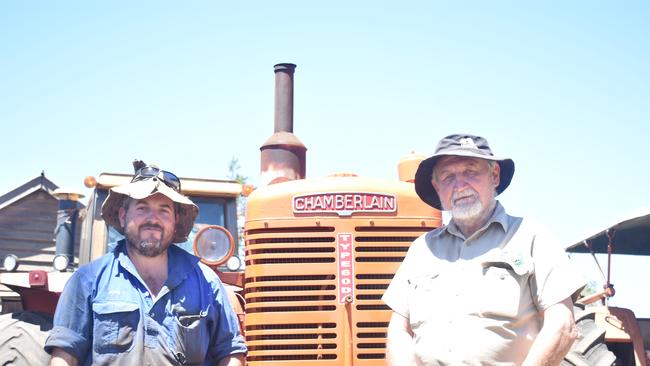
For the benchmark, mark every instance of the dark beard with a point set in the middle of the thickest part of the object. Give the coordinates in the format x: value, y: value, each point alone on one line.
x: 148, y: 247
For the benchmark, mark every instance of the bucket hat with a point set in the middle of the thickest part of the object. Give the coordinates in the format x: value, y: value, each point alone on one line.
x: 145, y: 187
x: 459, y: 145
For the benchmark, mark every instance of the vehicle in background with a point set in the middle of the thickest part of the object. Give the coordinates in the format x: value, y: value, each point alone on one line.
x: 624, y: 334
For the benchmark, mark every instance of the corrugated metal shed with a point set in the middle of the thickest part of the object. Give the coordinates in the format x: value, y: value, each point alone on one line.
x: 27, y: 223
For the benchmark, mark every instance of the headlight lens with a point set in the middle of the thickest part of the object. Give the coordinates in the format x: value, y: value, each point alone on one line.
x: 214, y: 245
x: 233, y: 264
x: 10, y: 263
x: 60, y: 262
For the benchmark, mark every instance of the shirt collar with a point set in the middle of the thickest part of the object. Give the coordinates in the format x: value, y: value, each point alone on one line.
x: 499, y: 216
x: 122, y: 257
x: 179, y: 265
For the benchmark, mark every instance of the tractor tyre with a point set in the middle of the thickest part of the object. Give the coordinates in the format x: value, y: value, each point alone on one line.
x: 22, y: 337
x: 589, y: 348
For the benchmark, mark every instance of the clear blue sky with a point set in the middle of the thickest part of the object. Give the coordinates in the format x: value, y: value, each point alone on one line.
x: 563, y: 89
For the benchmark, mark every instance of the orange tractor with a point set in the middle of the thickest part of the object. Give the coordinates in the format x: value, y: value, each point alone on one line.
x: 320, y: 253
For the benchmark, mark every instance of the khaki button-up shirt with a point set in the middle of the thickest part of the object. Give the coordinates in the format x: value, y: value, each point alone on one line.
x: 478, y: 300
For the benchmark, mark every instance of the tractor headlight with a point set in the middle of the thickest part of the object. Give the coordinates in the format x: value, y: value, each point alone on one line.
x: 60, y: 262
x: 214, y: 245
x: 233, y: 264
x: 10, y: 263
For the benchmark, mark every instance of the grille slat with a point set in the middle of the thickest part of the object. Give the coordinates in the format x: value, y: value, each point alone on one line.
x: 297, y: 303
x: 261, y: 308
x: 296, y: 240
x: 292, y: 294
x: 289, y: 255
x: 277, y: 344
x: 284, y: 260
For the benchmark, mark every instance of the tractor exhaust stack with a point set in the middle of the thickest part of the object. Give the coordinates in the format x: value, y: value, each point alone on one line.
x: 283, y: 155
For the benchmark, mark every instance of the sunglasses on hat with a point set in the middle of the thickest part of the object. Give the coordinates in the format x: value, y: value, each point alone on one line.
x: 148, y: 172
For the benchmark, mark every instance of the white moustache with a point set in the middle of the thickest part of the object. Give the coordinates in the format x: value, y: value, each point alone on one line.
x: 469, y: 192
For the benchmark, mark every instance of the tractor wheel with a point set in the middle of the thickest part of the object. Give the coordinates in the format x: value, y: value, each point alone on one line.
x: 589, y: 349
x: 22, y: 338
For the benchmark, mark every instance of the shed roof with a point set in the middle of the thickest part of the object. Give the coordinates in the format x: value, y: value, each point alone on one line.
x: 39, y: 183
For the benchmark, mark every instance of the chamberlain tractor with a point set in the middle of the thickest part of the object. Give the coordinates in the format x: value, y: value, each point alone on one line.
x: 321, y: 251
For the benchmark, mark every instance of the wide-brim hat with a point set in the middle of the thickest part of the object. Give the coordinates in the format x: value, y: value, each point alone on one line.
x: 459, y: 145
x: 185, y: 208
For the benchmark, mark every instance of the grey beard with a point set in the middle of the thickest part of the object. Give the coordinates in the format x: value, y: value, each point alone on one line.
x: 473, y: 211
x: 466, y: 212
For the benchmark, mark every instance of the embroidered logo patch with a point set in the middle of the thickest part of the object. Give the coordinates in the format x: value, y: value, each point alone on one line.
x: 468, y: 142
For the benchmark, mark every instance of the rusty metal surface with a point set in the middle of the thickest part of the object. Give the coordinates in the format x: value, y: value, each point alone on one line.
x: 282, y: 162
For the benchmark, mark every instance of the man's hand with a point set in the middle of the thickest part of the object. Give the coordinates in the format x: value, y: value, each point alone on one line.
x: 62, y: 358
x: 556, y: 336
x: 400, y: 349
x: 233, y: 360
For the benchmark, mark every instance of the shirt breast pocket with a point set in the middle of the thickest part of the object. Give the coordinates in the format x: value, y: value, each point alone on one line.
x: 501, y: 290
x: 114, y: 326
x: 192, y: 335
x: 423, y: 291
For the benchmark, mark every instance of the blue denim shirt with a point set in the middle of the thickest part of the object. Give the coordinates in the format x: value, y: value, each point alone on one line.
x: 106, y: 315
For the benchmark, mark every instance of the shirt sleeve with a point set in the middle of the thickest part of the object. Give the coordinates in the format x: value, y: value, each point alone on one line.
x: 555, y: 277
x: 227, y: 338
x: 72, y: 319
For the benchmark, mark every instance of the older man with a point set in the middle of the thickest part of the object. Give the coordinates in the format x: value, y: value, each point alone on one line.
x: 486, y: 289
x: 147, y: 302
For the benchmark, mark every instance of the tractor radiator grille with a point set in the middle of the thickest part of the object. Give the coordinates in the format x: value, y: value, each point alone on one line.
x: 293, y: 310
x: 378, y: 252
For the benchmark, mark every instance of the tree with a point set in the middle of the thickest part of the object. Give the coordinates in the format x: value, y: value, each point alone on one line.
x: 233, y: 171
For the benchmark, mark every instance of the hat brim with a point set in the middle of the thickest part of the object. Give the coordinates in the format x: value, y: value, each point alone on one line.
x: 424, y: 187
x: 187, y: 210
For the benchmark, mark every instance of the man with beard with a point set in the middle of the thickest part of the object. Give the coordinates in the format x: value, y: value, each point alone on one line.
x: 147, y: 302
x: 486, y: 289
